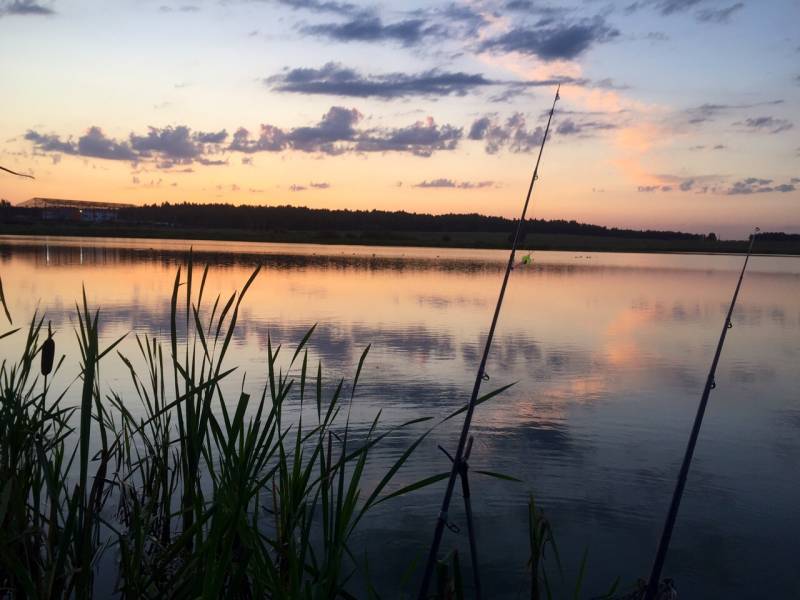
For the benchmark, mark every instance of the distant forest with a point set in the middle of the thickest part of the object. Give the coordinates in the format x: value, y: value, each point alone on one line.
x: 295, y: 218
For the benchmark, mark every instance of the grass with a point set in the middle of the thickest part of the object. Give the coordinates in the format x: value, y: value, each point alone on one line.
x: 192, y: 494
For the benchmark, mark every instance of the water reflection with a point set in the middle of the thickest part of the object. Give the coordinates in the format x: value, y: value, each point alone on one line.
x: 609, y: 352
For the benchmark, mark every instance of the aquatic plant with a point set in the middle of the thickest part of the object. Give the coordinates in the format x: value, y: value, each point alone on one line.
x: 191, y: 495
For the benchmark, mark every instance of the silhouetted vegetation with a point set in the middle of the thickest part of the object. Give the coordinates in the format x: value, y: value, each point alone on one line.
x: 300, y: 218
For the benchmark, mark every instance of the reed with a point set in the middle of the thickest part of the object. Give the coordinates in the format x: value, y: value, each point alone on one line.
x: 179, y: 490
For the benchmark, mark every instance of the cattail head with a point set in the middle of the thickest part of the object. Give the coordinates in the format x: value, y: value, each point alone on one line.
x: 48, y: 352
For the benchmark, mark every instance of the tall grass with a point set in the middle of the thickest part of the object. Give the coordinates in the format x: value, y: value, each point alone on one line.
x: 185, y: 492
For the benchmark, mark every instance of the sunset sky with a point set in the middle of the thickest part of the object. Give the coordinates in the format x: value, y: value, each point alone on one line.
x: 673, y: 114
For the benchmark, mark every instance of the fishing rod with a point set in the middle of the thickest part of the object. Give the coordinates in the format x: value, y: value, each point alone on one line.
x: 459, y: 460
x: 15, y: 173
x: 669, y: 525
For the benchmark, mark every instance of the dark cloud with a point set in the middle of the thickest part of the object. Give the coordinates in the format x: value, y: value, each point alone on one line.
x: 470, y: 19
x: 322, y: 185
x: 337, y: 125
x: 175, y: 143
x: 553, y: 40
x: 24, y: 8
x: 513, y: 134
x: 50, y: 143
x: 768, y: 124
x: 707, y: 10
x: 337, y: 133
x: 297, y: 188
x: 718, y: 15
x: 449, y: 183
x: 709, y: 111
x: 648, y: 188
x: 421, y: 139
x: 755, y: 185
x: 270, y: 139
x: 369, y: 28
x: 165, y: 147
x: 95, y: 144
x: 583, y: 128
x: 337, y: 80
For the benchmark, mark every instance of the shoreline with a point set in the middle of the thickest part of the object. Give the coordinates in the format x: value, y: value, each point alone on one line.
x: 406, y: 239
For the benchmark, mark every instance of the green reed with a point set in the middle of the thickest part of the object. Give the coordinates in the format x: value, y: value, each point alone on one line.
x: 192, y: 494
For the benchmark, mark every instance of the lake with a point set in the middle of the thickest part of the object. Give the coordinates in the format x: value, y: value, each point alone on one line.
x: 610, y: 354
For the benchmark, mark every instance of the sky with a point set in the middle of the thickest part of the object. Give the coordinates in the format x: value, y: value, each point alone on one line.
x: 674, y: 114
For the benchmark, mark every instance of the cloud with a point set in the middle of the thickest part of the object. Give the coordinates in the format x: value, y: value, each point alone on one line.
x: 583, y: 128
x: 323, y: 6
x: 755, y: 185
x: 704, y: 14
x: 553, y: 40
x: 337, y: 80
x: 337, y: 133
x: 665, y: 7
x: 50, y: 143
x: 709, y: 111
x: 164, y: 147
x: 769, y: 124
x: 322, y: 185
x: 421, y: 139
x: 24, y: 8
x: 177, y: 143
x: 337, y: 125
x: 449, y: 183
x: 513, y: 134
x: 718, y: 15
x: 368, y: 28
x: 95, y: 144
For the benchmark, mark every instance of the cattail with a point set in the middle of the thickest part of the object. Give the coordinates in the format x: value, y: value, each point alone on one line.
x: 48, y: 352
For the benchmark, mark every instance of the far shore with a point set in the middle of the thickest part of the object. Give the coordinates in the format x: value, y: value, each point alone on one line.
x: 465, y: 240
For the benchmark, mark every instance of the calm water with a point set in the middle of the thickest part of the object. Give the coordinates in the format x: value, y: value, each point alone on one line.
x: 610, y: 352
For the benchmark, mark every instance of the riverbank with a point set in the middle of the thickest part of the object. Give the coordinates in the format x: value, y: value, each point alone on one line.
x: 478, y: 240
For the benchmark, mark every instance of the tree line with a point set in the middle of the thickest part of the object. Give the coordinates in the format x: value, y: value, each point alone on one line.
x: 300, y: 218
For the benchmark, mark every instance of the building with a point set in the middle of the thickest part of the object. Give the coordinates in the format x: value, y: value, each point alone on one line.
x: 55, y: 209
